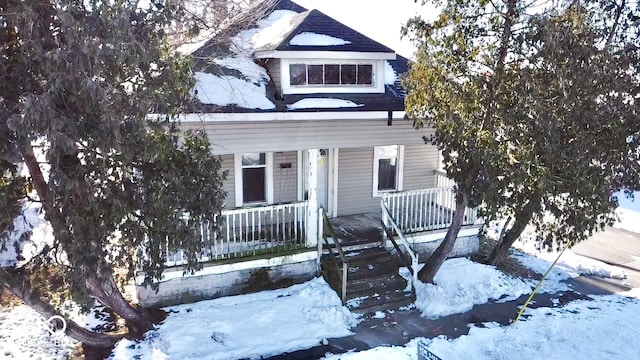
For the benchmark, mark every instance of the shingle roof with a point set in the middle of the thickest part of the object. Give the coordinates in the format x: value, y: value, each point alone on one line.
x: 288, y: 5
x: 207, y: 61
x: 316, y: 22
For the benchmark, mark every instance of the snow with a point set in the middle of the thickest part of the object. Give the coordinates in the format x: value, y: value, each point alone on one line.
x: 23, y: 334
x: 313, y: 39
x: 390, y: 75
x: 249, y: 89
x: 227, y: 90
x: 31, y: 220
x: 603, y: 328
x: 461, y: 283
x: 246, y: 326
x: 322, y: 103
x: 629, y: 220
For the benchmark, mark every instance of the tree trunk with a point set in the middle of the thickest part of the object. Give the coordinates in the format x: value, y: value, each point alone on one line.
x: 18, y: 285
x: 104, y: 288
x: 435, y: 261
x: 522, y: 218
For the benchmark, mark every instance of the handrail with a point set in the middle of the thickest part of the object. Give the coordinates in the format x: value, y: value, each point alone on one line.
x: 389, y: 233
x: 342, y: 273
x: 414, y: 258
x: 333, y: 236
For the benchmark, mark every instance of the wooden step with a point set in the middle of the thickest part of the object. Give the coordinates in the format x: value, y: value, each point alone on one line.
x: 370, y: 287
x: 381, y: 301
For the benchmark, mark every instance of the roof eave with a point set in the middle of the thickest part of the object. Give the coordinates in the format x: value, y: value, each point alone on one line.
x: 351, y: 55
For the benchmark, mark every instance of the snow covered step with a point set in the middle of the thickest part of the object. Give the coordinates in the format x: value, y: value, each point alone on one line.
x: 373, y: 280
x: 381, y: 301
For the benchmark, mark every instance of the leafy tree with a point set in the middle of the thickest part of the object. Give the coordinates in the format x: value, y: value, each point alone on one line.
x: 79, y: 79
x: 504, y: 85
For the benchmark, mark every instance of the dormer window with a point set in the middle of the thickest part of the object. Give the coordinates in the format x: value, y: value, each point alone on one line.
x: 331, y: 74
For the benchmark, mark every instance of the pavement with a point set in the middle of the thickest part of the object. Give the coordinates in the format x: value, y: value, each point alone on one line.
x: 613, y: 246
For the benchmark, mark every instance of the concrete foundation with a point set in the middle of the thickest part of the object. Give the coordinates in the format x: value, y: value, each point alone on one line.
x: 424, y: 244
x: 230, y: 279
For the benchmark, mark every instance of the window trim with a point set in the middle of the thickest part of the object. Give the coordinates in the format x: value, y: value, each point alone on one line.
x: 399, y: 170
x: 237, y: 172
x: 377, y: 77
x: 357, y: 64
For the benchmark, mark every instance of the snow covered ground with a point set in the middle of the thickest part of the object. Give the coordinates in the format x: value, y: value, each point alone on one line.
x: 304, y: 315
x: 246, y: 326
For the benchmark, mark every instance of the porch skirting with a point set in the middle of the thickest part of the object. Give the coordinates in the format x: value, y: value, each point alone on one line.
x: 218, y: 280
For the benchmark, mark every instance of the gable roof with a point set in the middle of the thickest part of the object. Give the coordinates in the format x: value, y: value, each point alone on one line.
x: 288, y: 5
x: 317, y: 23
x: 230, y: 79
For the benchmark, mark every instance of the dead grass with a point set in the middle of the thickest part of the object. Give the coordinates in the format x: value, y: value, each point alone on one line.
x: 8, y: 300
x: 508, y: 266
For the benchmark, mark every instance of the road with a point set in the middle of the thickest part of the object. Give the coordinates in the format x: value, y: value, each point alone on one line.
x: 616, y: 247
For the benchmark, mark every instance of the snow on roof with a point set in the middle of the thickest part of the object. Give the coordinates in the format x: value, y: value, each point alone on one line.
x: 249, y: 90
x: 273, y: 29
x: 227, y: 90
x: 313, y: 39
x: 321, y: 103
x: 390, y: 76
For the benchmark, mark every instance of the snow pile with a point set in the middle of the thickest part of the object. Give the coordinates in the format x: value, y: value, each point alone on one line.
x: 246, y: 326
x: 322, y: 103
x: 390, y: 75
x: 462, y: 283
x: 605, y: 328
x: 570, y: 265
x: 249, y: 89
x: 31, y: 220
x: 313, y: 39
x: 629, y: 220
x: 23, y: 335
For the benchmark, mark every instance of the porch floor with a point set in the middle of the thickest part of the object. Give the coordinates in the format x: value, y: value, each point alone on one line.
x: 358, y: 229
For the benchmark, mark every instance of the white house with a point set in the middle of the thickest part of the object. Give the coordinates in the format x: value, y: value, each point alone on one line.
x: 306, y: 114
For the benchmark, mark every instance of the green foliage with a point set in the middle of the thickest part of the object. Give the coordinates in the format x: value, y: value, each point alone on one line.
x: 534, y: 109
x: 79, y: 80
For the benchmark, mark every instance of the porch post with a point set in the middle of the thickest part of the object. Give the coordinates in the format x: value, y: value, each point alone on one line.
x: 312, y: 196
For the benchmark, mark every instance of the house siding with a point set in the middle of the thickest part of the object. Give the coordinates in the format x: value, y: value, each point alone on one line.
x: 420, y: 163
x: 236, y: 137
x: 273, y: 68
x: 355, y: 182
x: 285, y: 180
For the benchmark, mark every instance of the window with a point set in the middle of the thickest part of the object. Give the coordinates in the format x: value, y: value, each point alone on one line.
x: 387, y: 168
x: 253, y: 178
x: 330, y: 74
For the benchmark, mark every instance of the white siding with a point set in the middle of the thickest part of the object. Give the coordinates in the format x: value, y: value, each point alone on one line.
x: 285, y: 180
x: 237, y: 137
x: 273, y: 67
x: 420, y: 162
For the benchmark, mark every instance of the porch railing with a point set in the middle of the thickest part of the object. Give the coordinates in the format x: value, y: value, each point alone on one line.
x: 389, y: 225
x: 426, y: 209
x: 252, y: 231
x: 442, y: 180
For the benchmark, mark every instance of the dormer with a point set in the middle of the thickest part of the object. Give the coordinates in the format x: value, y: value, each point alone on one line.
x: 311, y: 53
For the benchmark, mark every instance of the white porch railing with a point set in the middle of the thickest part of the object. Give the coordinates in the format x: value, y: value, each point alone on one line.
x: 391, y: 224
x: 442, y: 180
x: 252, y: 231
x: 423, y: 210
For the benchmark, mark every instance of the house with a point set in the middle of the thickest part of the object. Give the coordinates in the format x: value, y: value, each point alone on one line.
x: 308, y: 117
